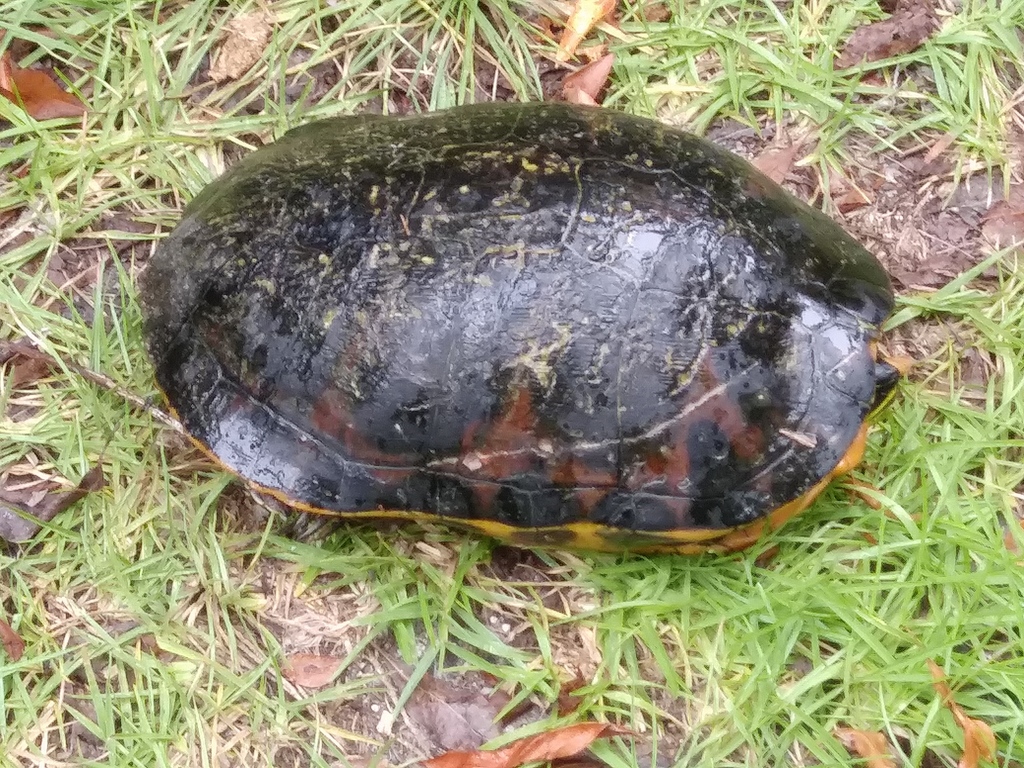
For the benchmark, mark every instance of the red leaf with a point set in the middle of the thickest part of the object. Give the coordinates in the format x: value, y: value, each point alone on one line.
x: 12, y: 642
x: 37, y: 93
x: 311, y: 670
x: 776, y: 162
x: 542, y: 747
x: 979, y: 741
x: 584, y: 85
x: 870, y: 745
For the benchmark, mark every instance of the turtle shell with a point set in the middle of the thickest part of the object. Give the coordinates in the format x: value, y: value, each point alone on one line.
x: 555, y: 324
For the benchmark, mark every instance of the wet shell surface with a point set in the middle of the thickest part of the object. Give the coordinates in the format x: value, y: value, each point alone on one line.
x: 554, y: 324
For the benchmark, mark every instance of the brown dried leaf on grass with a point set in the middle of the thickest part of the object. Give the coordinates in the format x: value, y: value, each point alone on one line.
x: 12, y: 642
x: 585, y: 84
x: 23, y: 367
x: 869, y: 745
x: 1003, y: 224
x: 979, y: 741
x: 655, y: 11
x: 776, y: 161
x: 311, y: 670
x: 24, y: 507
x: 568, y: 702
x: 541, y: 747
x: 244, y: 40
x: 454, y: 716
x: 850, y: 192
x: 36, y: 92
x: 585, y: 15
x: 852, y: 199
x: 912, y: 22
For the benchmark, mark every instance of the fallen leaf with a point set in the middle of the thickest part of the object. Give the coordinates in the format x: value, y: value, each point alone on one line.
x: 912, y: 22
x: 311, y: 670
x: 979, y: 740
x: 23, y: 510
x: 870, y: 745
x: 655, y: 11
x: 862, y: 490
x: 939, y: 147
x: 456, y: 716
x: 852, y: 199
x: 244, y: 41
x: 568, y: 702
x: 1003, y: 224
x: 23, y: 368
x: 776, y: 162
x: 585, y: 15
x: 12, y: 642
x: 1010, y: 541
x: 36, y: 92
x: 585, y: 84
x: 765, y: 559
x: 541, y: 747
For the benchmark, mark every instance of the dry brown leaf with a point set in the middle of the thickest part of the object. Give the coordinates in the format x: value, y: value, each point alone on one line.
x: 852, y: 199
x: 1010, y: 541
x: 456, y: 717
x: 765, y: 559
x: 568, y: 702
x: 23, y: 367
x: 912, y: 22
x: 776, y: 162
x: 41, y: 504
x: 939, y: 147
x: 585, y: 84
x: 1003, y: 224
x: 244, y: 41
x: 979, y: 740
x: 870, y: 745
x: 36, y: 92
x: 585, y: 15
x: 542, y: 747
x: 655, y: 11
x: 12, y: 642
x: 311, y: 670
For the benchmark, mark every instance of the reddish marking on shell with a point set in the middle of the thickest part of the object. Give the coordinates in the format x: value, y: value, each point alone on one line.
x: 680, y: 508
x: 574, y: 472
x: 671, y: 461
x: 588, y: 498
x: 746, y: 440
x: 591, y: 483
x: 506, y: 446
x: 484, y: 494
x: 331, y: 417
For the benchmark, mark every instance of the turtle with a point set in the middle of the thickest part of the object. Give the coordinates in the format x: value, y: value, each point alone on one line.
x: 556, y: 325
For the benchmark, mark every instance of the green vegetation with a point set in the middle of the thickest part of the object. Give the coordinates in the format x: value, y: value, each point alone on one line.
x: 157, y: 612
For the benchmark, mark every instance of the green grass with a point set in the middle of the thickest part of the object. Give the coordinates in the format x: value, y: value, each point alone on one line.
x: 157, y: 616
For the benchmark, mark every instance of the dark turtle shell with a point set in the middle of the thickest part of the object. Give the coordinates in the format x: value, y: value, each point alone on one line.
x: 556, y: 324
